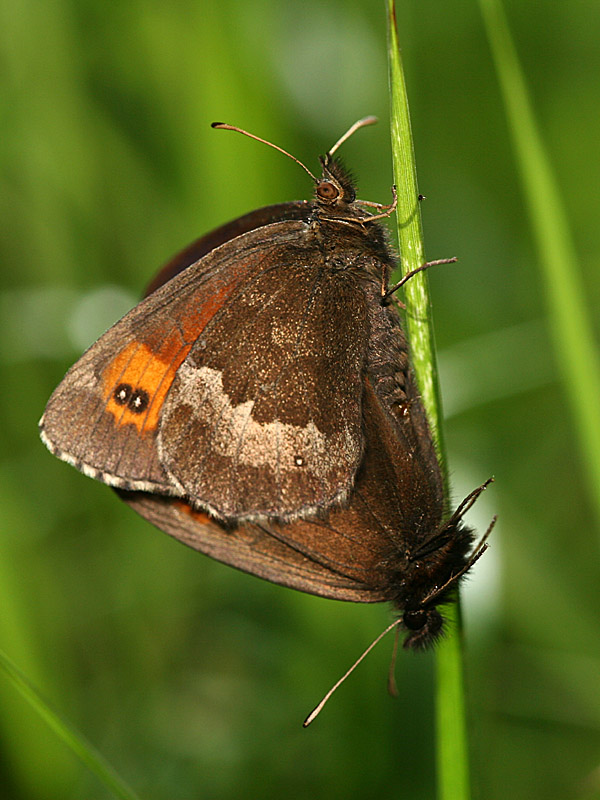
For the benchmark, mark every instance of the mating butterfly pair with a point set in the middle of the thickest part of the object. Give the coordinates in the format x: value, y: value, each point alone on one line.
x: 259, y: 406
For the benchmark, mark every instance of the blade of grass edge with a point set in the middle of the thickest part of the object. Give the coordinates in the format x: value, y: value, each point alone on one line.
x: 571, y: 328
x: 78, y: 745
x: 453, y: 780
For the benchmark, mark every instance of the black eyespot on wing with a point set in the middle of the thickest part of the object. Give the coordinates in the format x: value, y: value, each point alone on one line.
x: 136, y: 400
x: 122, y: 394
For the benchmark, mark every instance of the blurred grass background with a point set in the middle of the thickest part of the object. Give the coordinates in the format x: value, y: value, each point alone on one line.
x: 192, y: 678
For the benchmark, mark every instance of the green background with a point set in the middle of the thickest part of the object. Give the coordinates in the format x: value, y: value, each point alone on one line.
x: 192, y: 678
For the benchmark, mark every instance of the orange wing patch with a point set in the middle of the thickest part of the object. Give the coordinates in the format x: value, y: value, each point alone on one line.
x: 135, y: 384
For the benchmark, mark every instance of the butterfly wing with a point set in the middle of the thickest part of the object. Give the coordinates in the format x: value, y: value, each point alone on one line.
x: 350, y: 553
x: 181, y: 381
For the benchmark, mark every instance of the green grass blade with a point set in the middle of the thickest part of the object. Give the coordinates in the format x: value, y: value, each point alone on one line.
x: 410, y: 240
x: 452, y: 743
x: 571, y: 328
x: 82, y: 749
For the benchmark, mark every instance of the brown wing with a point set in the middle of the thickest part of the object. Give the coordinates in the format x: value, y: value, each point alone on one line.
x: 347, y: 554
x: 148, y: 378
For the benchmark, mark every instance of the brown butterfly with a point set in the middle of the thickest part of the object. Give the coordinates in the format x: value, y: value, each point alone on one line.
x: 259, y: 406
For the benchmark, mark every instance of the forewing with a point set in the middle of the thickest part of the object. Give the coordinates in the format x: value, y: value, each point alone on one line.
x: 236, y: 384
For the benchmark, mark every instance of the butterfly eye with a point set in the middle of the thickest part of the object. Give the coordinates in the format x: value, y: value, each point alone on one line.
x: 425, y: 628
x: 326, y: 190
x: 415, y: 620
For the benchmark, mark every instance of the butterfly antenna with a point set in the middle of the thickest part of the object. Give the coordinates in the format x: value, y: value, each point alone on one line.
x: 224, y: 126
x: 317, y: 710
x: 362, y: 123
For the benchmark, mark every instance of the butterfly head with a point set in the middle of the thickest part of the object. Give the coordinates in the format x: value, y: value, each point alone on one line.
x: 433, y: 573
x: 424, y: 626
x: 336, y: 187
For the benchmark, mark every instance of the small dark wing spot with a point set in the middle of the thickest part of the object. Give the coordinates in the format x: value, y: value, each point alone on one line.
x: 122, y: 394
x: 138, y: 402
